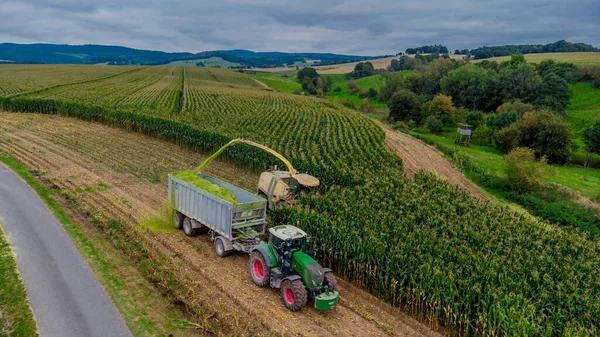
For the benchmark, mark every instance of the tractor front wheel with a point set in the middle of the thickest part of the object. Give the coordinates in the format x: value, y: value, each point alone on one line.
x: 294, y: 294
x: 331, y: 282
x: 259, y: 270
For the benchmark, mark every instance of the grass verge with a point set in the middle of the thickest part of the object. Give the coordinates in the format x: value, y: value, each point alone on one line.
x: 142, y: 306
x: 16, y: 317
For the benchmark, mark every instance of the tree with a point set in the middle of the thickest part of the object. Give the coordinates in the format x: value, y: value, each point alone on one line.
x: 392, y: 82
x: 395, y: 65
x: 307, y: 72
x: 483, y: 53
x: 523, y: 172
x: 517, y: 106
x: 472, y: 87
x: 353, y: 87
x: 519, y: 80
x: 440, y: 107
x: 545, y: 132
x: 475, y: 118
x: 309, y: 79
x: 553, y: 93
x: 362, y: 69
x: 591, y: 138
x: 372, y: 93
x: 404, y: 105
x: 506, y: 118
x: 434, y: 124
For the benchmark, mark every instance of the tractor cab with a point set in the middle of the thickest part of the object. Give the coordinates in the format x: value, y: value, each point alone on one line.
x: 286, y: 240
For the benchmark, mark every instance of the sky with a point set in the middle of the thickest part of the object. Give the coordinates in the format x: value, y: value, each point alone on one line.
x: 358, y: 27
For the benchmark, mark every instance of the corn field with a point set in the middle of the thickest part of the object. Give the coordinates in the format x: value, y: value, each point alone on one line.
x: 471, y: 266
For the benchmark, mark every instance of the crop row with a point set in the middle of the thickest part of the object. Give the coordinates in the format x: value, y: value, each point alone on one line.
x: 476, y: 267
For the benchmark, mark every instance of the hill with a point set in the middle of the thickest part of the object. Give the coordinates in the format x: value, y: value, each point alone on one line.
x: 561, y: 46
x: 115, y: 55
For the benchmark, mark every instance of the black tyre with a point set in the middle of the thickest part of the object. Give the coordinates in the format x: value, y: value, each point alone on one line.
x: 294, y: 294
x: 187, y: 228
x: 220, y: 248
x: 331, y: 282
x: 259, y: 270
x: 178, y: 219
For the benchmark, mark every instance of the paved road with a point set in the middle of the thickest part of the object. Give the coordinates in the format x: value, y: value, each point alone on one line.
x: 65, y: 296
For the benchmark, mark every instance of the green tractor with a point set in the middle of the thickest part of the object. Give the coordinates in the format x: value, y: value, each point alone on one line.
x: 282, y: 263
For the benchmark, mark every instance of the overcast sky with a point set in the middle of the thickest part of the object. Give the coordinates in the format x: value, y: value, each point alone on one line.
x: 359, y: 27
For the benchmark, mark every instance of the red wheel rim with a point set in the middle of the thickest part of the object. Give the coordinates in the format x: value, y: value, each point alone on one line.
x: 289, y: 295
x: 257, y: 269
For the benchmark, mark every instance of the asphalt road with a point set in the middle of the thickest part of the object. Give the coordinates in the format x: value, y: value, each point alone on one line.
x: 65, y: 296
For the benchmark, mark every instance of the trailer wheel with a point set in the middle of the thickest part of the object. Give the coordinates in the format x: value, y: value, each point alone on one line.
x: 294, y: 294
x: 220, y: 248
x: 187, y: 227
x: 331, y: 281
x: 259, y: 270
x: 178, y: 218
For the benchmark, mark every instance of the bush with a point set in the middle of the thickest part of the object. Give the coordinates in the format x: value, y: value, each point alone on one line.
x: 363, y: 94
x: 481, y: 135
x: 597, y: 83
x: 337, y: 88
x: 296, y: 92
x: 353, y: 87
x: 545, y: 132
x: 365, y: 106
x: 441, y: 107
x: 372, y: 93
x: 517, y: 106
x: 506, y: 118
x: 475, y: 118
x: 434, y: 124
x: 348, y: 104
x: 404, y: 105
x: 460, y: 115
x: 588, y: 73
x: 591, y: 138
x: 523, y: 172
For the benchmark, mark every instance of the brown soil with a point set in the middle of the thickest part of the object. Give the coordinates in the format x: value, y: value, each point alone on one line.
x: 114, y: 174
x: 420, y: 156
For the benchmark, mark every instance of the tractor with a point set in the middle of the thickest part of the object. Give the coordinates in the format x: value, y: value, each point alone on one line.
x: 283, y: 263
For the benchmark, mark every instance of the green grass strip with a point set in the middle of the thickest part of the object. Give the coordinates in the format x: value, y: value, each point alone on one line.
x: 16, y: 317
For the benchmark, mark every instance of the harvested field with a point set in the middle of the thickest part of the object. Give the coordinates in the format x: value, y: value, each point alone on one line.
x: 116, y: 175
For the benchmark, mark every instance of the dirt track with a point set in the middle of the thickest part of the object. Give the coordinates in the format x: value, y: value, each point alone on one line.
x: 118, y: 175
x: 420, y: 156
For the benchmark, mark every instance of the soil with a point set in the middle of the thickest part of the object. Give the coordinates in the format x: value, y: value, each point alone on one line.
x: 115, y: 174
x: 420, y: 156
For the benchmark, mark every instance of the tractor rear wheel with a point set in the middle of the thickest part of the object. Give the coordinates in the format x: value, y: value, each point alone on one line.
x: 259, y: 270
x: 331, y: 281
x: 188, y: 229
x: 294, y: 294
x: 178, y: 219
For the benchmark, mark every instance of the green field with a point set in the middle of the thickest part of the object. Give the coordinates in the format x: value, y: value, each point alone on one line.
x: 583, y: 110
x: 474, y: 266
x: 16, y: 317
x: 580, y: 59
x: 282, y: 82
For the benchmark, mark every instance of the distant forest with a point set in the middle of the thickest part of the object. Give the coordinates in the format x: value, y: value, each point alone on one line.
x: 561, y: 46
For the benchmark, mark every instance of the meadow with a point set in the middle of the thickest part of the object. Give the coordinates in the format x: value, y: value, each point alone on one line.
x: 579, y: 59
x: 472, y: 266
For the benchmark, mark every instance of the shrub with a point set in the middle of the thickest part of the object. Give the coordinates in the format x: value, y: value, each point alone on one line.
x: 506, y: 118
x: 404, y: 105
x: 441, y: 107
x: 434, y: 124
x: 481, y: 135
x: 296, y: 92
x: 588, y: 73
x: 363, y: 94
x: 475, y: 118
x: 591, y: 138
x: 545, y: 132
x: 353, y: 87
x: 337, y: 88
x: 596, y: 83
x: 348, y: 103
x: 523, y: 171
x: 372, y: 93
x: 461, y: 114
x: 517, y: 106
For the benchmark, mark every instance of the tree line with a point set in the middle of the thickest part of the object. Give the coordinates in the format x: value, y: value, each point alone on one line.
x: 561, y: 46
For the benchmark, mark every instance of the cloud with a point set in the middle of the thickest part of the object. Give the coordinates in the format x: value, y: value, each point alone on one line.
x: 339, y: 26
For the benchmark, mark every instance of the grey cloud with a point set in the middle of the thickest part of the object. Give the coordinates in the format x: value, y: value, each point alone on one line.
x: 339, y: 26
